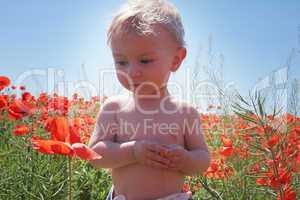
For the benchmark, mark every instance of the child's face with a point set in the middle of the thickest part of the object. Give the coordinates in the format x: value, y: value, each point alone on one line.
x: 144, y: 63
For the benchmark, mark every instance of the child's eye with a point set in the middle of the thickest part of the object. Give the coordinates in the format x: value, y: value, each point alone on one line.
x: 122, y: 63
x: 146, y: 61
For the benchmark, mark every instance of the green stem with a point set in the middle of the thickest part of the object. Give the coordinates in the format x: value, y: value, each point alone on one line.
x: 70, y: 177
x: 211, y: 191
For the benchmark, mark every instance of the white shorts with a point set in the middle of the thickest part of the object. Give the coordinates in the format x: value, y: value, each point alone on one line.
x: 177, y: 196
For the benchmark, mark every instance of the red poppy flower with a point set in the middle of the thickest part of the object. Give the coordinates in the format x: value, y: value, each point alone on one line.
x: 226, y: 151
x: 289, y: 194
x: 285, y: 176
x: 213, y: 167
x: 26, y: 96
x: 297, y: 129
x: 43, y: 146
x: 255, y: 168
x: 58, y: 127
x: 65, y: 140
x: 43, y: 98
x: 273, y: 140
x: 262, y: 181
x: 4, y: 82
x: 226, y: 141
x: 64, y: 148
x: 21, y: 130
x: 3, y: 101
x: 59, y: 104
x: 298, y: 158
x: 185, y: 187
x: 19, y: 109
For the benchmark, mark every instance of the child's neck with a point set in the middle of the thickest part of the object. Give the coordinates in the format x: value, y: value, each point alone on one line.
x: 154, y: 100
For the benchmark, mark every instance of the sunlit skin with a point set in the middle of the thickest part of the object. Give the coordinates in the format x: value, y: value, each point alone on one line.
x: 152, y: 159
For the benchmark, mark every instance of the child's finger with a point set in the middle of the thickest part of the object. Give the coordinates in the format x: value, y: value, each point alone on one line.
x: 156, y: 157
x: 174, y: 159
x: 155, y: 164
x: 157, y: 148
x: 171, y: 153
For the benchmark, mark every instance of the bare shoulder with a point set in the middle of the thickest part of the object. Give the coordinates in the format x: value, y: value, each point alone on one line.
x: 193, y: 136
x: 106, y: 123
x: 115, y: 103
x: 186, y: 109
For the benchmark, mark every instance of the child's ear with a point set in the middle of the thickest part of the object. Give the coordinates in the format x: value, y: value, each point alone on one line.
x: 178, y: 58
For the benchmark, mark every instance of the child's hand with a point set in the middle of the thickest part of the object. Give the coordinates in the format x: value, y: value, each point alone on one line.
x: 148, y: 153
x: 177, y: 156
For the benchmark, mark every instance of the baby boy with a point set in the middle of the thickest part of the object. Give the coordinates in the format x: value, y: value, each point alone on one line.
x: 149, y: 140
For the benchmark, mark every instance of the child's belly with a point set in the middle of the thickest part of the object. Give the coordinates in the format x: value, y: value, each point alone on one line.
x: 138, y: 182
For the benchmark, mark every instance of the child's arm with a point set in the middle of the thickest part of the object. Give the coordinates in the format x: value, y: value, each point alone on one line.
x: 194, y: 158
x: 102, y: 140
x: 116, y: 155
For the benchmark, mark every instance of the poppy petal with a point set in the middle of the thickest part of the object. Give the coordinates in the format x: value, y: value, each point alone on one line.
x: 4, y: 82
x: 61, y: 148
x: 73, y: 136
x: 58, y: 127
x: 226, y: 141
x: 21, y: 130
x: 226, y: 151
x: 43, y: 146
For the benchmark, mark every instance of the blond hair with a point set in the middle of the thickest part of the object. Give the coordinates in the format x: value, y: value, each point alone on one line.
x: 141, y: 16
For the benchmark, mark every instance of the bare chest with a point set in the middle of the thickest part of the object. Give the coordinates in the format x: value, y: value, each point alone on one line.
x: 159, y: 127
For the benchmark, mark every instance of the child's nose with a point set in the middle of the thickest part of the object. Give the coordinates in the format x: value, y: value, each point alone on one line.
x: 134, y: 71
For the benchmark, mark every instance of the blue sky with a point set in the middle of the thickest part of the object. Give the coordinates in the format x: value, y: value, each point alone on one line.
x: 255, y: 37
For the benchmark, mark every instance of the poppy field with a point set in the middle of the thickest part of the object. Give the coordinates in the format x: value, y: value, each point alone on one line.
x: 44, y: 152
